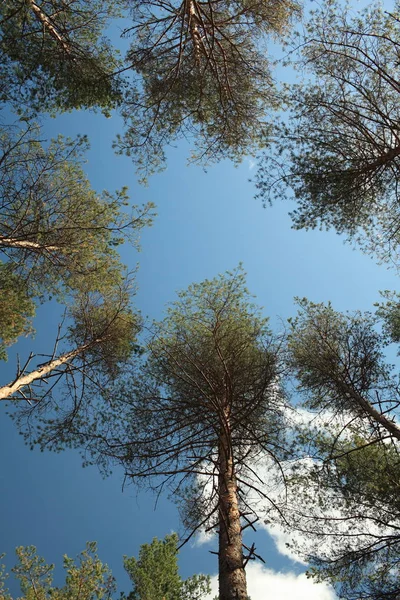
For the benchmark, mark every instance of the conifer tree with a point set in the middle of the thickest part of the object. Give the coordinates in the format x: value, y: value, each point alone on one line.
x: 155, y: 574
x: 345, y: 501
x: 339, y: 150
x: 198, y: 413
x: 204, y: 74
x: 54, y: 55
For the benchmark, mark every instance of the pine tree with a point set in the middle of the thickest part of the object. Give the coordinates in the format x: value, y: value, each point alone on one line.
x: 339, y: 149
x: 203, y: 73
x: 54, y: 55
x: 197, y: 415
x: 155, y: 574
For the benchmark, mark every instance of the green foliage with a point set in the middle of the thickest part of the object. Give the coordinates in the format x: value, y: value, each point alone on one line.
x: 54, y: 56
x: 16, y: 309
x: 87, y: 578
x: 347, y: 498
x: 339, y: 151
x: 369, y: 473
x: 389, y: 312
x: 333, y: 354
x: 4, y: 595
x: 155, y: 574
x: 211, y: 369
x: 108, y: 324
x: 354, y: 532
x: 57, y: 235
x: 55, y: 229
x: 203, y: 74
x: 97, y: 345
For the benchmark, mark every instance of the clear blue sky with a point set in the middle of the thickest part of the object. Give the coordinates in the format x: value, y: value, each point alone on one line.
x: 207, y: 223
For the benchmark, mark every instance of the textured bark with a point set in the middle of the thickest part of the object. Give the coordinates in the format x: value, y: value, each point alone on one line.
x: 23, y: 380
x: 193, y: 21
x: 232, y: 576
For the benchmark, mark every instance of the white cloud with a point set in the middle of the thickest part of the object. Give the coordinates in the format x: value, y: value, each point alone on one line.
x: 263, y: 583
x: 203, y: 537
x: 282, y: 539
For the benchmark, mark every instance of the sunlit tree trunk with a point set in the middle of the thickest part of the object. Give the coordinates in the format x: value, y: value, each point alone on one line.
x: 193, y: 20
x: 40, y: 373
x: 10, y: 242
x: 232, y: 576
x: 48, y: 24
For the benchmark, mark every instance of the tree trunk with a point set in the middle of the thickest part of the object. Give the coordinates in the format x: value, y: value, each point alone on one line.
x: 40, y: 373
x: 193, y: 21
x: 232, y: 576
x: 48, y: 24
x: 34, y: 246
x: 368, y: 408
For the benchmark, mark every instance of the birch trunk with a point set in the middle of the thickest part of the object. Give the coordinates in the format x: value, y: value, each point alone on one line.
x: 40, y: 373
x: 232, y: 576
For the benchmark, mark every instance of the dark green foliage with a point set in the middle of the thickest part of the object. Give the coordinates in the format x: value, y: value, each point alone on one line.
x: 155, y: 574
x: 204, y: 74
x: 54, y: 56
x: 339, y: 152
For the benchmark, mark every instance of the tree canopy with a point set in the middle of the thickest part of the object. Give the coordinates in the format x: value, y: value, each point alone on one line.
x: 154, y: 575
x: 17, y: 309
x: 53, y: 392
x: 194, y: 69
x: 203, y: 74
x: 345, y: 501
x: 59, y: 238
x: 57, y: 235
x: 86, y: 579
x: 54, y: 55
x: 339, y: 149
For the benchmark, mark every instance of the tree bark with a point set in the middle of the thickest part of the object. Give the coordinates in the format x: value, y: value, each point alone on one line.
x: 193, y: 21
x: 232, y: 576
x: 34, y: 246
x: 23, y: 380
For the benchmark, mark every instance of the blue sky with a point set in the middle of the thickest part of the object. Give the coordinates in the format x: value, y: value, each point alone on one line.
x: 207, y: 223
